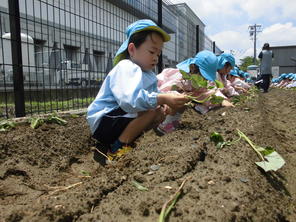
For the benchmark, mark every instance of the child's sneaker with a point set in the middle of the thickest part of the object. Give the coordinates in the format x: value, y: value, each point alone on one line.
x: 119, y: 153
x: 118, y: 149
x: 176, y: 123
x: 201, y: 109
x: 169, y: 124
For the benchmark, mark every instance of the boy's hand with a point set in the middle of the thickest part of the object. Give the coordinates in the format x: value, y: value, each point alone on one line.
x: 166, y: 109
x: 175, y: 101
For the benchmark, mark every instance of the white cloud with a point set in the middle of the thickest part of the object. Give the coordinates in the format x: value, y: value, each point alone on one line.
x: 239, y: 42
x: 279, y: 34
x: 271, y: 10
x: 227, y: 22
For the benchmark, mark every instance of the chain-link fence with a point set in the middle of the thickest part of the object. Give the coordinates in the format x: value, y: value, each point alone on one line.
x: 56, y: 53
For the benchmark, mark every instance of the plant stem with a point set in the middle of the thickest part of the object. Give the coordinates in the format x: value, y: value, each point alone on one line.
x: 165, y: 211
x: 195, y: 99
x: 250, y: 142
x: 102, y: 154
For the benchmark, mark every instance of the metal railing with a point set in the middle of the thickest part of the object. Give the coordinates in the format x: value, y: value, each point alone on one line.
x: 56, y: 53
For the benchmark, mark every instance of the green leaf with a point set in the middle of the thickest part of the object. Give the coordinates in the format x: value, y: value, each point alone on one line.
x: 198, y: 81
x: 139, y: 186
x: 219, y: 84
x: 185, y: 75
x: 265, y: 151
x: 56, y: 119
x: 216, y: 138
x: 274, y: 162
x: 235, y: 99
x: 195, y: 99
x: 271, y: 160
x: 6, y: 125
x: 216, y: 99
x: 174, y: 88
x: 36, y: 122
x: 85, y: 173
x: 74, y: 115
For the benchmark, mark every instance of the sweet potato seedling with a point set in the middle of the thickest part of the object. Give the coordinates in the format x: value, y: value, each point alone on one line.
x: 271, y: 160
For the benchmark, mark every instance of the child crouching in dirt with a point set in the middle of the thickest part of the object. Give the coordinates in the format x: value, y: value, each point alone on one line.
x: 204, y: 64
x: 129, y: 102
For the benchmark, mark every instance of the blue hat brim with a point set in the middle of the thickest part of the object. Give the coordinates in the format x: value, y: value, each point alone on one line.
x: 121, y: 52
x: 184, y: 66
x: 224, y: 58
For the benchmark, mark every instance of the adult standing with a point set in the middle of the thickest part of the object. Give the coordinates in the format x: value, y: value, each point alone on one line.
x: 265, y: 57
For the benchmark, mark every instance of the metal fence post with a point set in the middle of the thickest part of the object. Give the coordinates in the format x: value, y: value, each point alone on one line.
x: 16, y: 53
x: 159, y: 8
x: 197, y: 38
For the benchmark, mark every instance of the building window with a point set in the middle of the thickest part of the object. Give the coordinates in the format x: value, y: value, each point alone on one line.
x: 72, y: 56
x: 41, y: 55
x: 99, y: 61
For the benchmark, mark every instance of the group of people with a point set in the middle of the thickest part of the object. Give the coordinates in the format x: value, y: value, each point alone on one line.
x: 132, y: 99
x: 285, y: 80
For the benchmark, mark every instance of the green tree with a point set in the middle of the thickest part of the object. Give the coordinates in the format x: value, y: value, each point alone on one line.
x: 245, y: 62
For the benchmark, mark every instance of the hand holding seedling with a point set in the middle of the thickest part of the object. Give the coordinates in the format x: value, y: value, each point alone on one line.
x: 167, y: 110
x: 174, y: 101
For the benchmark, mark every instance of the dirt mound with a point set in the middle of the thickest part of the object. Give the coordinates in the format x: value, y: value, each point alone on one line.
x: 49, y: 174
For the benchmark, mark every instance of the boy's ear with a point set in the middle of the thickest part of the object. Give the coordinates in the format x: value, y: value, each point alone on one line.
x: 131, y: 49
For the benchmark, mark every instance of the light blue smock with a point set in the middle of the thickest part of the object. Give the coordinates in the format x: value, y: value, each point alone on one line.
x: 126, y: 86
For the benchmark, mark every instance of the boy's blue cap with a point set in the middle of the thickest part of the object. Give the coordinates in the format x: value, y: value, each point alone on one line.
x: 241, y: 73
x: 247, y: 74
x: 233, y: 73
x: 138, y: 26
x: 291, y: 76
x: 223, y: 58
x: 206, y: 62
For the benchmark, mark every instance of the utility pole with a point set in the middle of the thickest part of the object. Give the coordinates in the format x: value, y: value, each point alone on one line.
x: 253, y: 30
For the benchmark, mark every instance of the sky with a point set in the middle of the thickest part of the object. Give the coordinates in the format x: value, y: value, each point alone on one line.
x: 227, y: 23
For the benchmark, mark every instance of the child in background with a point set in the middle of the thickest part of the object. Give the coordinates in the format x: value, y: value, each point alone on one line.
x: 226, y: 62
x: 205, y: 64
x: 239, y: 85
x: 128, y: 102
x: 292, y: 84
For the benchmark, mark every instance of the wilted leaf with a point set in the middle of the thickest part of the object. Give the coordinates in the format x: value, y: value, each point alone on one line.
x: 139, y: 186
x: 274, y: 162
x: 56, y: 119
x: 36, y: 122
x: 6, y: 125
x: 74, y: 115
x: 85, y: 173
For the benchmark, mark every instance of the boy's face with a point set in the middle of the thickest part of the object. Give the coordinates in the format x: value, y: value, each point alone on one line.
x: 193, y: 69
x: 146, y: 55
